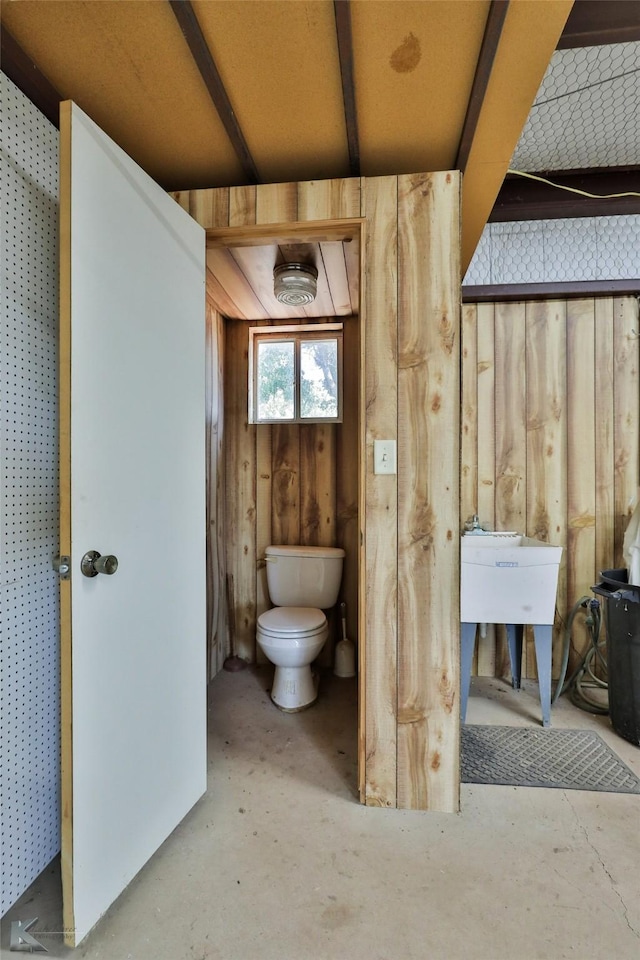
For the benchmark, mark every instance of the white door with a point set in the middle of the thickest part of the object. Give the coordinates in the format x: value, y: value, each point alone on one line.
x: 132, y: 486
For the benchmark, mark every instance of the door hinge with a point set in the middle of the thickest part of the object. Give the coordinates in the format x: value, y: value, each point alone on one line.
x: 62, y: 565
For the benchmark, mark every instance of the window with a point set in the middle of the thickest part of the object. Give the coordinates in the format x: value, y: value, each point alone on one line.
x: 295, y: 374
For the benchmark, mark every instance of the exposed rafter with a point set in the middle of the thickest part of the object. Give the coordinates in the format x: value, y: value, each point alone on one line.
x: 345, y: 51
x: 524, y: 199
x: 592, y: 23
x: 490, y: 41
x: 186, y: 17
x: 28, y: 78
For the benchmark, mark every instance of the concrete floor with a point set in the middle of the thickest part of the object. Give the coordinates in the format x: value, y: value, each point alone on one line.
x: 279, y: 860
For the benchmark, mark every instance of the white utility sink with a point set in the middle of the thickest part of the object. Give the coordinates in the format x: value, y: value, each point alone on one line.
x: 508, y: 578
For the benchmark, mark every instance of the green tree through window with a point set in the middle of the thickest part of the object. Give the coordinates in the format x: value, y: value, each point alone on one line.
x: 295, y: 376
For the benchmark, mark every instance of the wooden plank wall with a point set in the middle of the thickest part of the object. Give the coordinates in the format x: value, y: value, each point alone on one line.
x: 406, y: 526
x: 300, y: 484
x: 550, y: 401
x: 217, y: 626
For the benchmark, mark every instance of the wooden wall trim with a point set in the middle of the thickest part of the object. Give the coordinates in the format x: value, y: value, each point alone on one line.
x: 508, y: 292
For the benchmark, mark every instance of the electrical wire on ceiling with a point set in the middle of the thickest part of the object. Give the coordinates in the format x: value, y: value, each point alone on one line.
x: 588, y: 86
x: 582, y: 193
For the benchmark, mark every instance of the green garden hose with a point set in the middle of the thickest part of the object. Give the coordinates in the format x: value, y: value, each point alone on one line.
x: 583, y: 677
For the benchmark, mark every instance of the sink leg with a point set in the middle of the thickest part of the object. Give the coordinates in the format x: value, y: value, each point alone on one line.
x: 467, y: 645
x: 543, y: 639
x: 515, y: 633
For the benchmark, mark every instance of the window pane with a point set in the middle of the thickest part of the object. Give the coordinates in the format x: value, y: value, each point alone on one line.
x: 275, y: 380
x: 319, y: 378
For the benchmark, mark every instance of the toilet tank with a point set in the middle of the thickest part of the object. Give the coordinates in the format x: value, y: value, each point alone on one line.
x: 304, y: 576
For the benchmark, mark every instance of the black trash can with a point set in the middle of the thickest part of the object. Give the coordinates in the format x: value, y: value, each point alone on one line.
x: 622, y: 618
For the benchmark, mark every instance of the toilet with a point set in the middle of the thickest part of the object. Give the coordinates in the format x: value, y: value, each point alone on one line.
x: 302, y: 582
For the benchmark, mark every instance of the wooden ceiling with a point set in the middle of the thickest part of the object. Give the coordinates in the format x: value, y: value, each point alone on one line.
x: 224, y: 92
x: 240, y: 279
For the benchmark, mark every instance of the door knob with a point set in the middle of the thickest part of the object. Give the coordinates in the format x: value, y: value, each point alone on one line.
x: 93, y: 563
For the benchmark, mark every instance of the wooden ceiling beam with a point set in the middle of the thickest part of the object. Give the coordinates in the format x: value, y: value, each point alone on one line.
x: 524, y: 199
x: 342, y: 10
x: 529, y: 37
x: 28, y: 78
x: 490, y: 41
x: 593, y: 23
x: 188, y: 22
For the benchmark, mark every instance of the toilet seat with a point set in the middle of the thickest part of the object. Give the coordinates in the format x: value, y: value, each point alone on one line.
x: 292, y: 622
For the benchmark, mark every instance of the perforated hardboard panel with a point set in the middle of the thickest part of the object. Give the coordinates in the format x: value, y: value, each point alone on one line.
x: 29, y: 677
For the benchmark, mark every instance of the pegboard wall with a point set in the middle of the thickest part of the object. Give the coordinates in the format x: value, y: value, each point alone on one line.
x: 554, y: 251
x: 29, y: 660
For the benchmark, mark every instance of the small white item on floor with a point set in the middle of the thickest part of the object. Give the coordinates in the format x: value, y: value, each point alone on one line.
x: 345, y: 663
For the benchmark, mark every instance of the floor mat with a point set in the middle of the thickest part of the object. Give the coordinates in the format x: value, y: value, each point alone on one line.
x: 526, y: 757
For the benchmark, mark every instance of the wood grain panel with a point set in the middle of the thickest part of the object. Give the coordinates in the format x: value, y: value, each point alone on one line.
x: 380, y: 206
x: 285, y: 494
x: 263, y: 521
x: 581, y: 462
x: 335, y: 267
x: 347, y: 472
x: 210, y: 207
x: 626, y: 421
x: 230, y: 290
x: 469, y: 425
x: 329, y: 199
x: 277, y: 203
x: 217, y: 628
x: 428, y: 496
x: 510, y: 437
x: 242, y: 212
x: 339, y: 200
x: 546, y: 440
x: 510, y: 417
x: 317, y: 485
x: 598, y: 423
x: 240, y: 451
x: 242, y: 206
x: 256, y: 265
x: 604, y: 439
x: 486, y: 646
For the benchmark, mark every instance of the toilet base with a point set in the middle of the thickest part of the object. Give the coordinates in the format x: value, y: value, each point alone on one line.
x: 294, y: 688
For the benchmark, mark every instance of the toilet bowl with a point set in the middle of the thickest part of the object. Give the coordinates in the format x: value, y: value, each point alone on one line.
x: 302, y: 582
x: 291, y: 638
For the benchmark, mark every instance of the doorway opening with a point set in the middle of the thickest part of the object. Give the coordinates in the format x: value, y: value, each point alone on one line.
x: 281, y: 483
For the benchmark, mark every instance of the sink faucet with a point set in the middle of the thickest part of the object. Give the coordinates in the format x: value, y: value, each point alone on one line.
x: 473, y: 525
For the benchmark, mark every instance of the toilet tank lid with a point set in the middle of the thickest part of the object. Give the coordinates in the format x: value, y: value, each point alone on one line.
x: 300, y: 551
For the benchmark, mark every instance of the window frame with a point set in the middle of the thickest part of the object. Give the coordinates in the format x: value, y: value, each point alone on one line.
x: 296, y: 334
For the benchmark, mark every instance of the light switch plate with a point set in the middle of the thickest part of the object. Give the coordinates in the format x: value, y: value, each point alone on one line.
x: 384, y: 456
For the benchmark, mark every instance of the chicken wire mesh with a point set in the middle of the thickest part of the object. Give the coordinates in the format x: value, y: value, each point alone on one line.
x: 586, y: 113
x: 556, y: 251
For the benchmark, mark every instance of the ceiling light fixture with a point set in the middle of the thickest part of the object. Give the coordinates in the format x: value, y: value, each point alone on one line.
x: 295, y: 284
